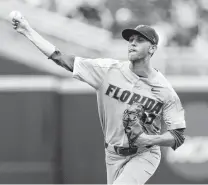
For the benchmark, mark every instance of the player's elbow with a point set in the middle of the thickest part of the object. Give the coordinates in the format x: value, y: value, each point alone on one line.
x: 176, y: 144
x: 179, y: 138
x: 62, y: 60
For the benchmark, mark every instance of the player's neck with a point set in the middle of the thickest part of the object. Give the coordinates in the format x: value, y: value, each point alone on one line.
x: 142, y: 68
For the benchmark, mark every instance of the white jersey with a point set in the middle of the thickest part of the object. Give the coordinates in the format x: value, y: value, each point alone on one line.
x: 117, y: 88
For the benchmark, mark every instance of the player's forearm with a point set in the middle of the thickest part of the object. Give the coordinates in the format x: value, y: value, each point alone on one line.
x: 65, y: 61
x: 166, y: 139
x: 42, y: 44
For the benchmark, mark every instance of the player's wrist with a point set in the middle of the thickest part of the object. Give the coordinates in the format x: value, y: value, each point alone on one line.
x: 29, y: 32
x: 146, y: 140
x: 149, y: 139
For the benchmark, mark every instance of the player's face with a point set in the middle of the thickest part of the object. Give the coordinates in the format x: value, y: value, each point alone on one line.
x: 138, y: 48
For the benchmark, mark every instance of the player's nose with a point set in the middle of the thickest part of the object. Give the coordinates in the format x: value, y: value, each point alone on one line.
x: 133, y: 42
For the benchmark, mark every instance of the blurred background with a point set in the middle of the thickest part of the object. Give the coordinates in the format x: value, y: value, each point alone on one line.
x: 49, y: 125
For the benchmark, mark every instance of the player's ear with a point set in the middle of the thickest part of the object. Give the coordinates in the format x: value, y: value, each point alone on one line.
x: 152, y: 49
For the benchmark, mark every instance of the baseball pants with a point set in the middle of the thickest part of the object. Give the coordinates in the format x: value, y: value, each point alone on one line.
x: 132, y: 170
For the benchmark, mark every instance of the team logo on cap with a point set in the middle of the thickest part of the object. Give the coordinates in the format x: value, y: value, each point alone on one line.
x: 141, y: 26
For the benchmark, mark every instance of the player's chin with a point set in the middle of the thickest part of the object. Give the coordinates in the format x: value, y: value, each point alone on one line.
x: 133, y: 58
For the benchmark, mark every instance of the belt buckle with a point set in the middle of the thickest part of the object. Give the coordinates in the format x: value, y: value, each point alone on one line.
x: 122, y: 151
x: 133, y: 150
x: 117, y: 149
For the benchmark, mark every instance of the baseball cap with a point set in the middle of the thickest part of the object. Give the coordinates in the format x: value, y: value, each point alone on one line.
x: 146, y: 31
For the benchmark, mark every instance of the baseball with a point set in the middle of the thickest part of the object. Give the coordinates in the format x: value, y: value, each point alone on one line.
x: 15, y: 14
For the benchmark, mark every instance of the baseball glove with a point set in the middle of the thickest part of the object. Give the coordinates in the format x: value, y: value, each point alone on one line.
x: 134, y: 119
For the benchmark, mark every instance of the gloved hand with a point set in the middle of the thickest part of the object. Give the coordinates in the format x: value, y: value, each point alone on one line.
x: 133, y: 121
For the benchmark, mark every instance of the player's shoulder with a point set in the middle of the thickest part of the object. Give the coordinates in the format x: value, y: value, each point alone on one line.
x: 166, y: 85
x: 162, y: 80
x: 100, y: 62
x: 109, y: 63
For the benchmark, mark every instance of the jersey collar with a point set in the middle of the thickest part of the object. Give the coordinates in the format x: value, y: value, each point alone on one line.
x: 132, y: 77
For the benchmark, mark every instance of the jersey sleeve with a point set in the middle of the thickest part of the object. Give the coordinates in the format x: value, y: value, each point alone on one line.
x: 173, y: 113
x: 178, y: 134
x: 92, y: 71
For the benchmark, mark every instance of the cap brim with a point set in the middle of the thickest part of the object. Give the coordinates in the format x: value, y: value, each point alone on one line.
x: 127, y: 33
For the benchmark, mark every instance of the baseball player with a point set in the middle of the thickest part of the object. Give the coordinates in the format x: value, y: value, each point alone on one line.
x: 134, y: 100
